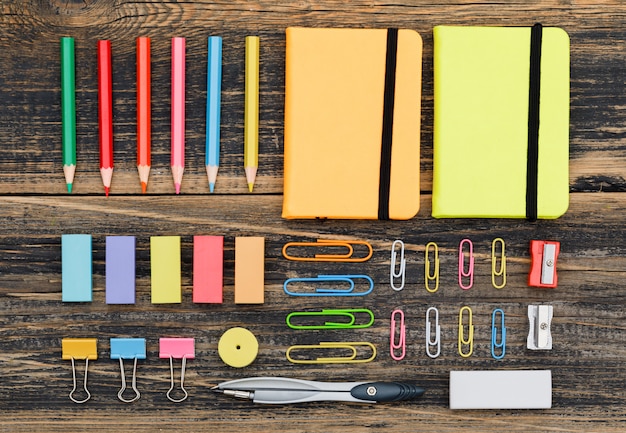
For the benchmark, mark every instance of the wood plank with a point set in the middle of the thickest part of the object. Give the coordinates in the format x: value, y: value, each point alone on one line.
x: 30, y: 114
x: 588, y: 327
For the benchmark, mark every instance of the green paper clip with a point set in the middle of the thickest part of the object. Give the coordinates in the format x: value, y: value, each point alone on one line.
x: 349, y: 313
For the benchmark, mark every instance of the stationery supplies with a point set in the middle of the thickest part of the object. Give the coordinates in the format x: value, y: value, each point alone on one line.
x: 401, y: 272
x: 498, y: 271
x: 501, y: 389
x: 68, y: 110
x: 433, y: 341
x: 539, y: 321
x: 463, y: 340
x: 498, y: 345
x: 354, y: 350
x: 251, y: 111
x: 543, y: 257
x: 165, y: 269
x: 330, y: 291
x: 325, y: 245
x: 177, y: 348
x: 105, y: 112
x: 144, y: 117
x: 128, y: 348
x: 280, y: 390
x: 213, y: 105
x: 352, y: 122
x: 178, y: 111
x: 120, y: 269
x: 399, y: 343
x: 238, y: 347
x: 208, y: 269
x: 429, y: 276
x: 79, y: 348
x: 493, y: 87
x: 349, y: 316
x: 76, y: 265
x: 469, y: 273
x: 249, y: 270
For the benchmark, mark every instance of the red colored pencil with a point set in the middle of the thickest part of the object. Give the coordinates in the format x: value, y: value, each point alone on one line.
x: 105, y: 113
x: 143, y: 111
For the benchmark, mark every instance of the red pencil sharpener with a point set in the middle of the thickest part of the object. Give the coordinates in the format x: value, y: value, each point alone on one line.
x: 543, y: 256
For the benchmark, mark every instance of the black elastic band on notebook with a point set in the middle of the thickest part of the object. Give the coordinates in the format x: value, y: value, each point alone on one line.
x: 385, y: 153
x: 533, y: 122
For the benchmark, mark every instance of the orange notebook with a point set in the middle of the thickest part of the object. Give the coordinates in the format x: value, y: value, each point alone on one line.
x: 352, y: 123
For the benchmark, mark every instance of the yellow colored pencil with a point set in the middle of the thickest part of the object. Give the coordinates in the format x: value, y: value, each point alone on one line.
x: 251, y: 111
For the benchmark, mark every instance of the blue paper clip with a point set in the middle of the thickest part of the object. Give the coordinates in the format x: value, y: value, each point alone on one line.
x: 332, y: 291
x: 494, y: 334
x: 128, y: 348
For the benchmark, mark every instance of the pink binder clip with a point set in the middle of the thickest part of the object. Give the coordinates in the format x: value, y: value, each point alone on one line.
x: 179, y: 348
x: 400, y: 345
x: 470, y: 265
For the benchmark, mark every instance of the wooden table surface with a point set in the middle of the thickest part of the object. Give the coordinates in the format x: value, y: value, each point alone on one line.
x: 588, y: 329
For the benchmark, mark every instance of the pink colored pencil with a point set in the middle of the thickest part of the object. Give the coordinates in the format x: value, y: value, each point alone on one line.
x: 178, y: 111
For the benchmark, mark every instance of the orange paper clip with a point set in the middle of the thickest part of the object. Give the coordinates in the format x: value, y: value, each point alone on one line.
x: 348, y: 256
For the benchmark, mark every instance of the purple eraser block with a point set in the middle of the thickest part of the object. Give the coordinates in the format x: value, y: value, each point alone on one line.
x: 120, y: 270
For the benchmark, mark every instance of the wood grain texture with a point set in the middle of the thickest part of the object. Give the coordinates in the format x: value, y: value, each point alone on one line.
x: 589, y: 329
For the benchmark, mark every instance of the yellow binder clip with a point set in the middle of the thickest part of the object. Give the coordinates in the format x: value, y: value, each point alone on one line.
x: 79, y: 348
x: 332, y: 346
x: 495, y: 271
x: 348, y: 256
x: 469, y: 341
x: 434, y: 276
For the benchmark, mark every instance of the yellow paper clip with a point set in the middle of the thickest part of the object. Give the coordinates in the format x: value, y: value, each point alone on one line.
x: 434, y: 276
x: 469, y: 341
x: 397, y: 263
x: 79, y: 348
x: 341, y: 345
x: 495, y: 272
x: 322, y: 243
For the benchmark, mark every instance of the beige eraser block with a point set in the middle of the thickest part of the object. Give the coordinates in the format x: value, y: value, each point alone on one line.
x: 249, y: 270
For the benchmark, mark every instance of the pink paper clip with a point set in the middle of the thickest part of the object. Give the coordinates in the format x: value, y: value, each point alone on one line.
x: 400, y: 345
x: 179, y: 348
x: 470, y: 267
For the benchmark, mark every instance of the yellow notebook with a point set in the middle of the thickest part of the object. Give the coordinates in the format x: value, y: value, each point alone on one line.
x: 501, y: 145
x: 339, y: 86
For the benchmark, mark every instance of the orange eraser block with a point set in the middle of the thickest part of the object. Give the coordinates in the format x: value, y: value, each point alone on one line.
x: 208, y: 269
x: 249, y: 270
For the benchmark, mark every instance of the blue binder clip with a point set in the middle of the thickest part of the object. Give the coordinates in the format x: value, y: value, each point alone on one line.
x: 320, y: 291
x: 128, y: 348
x: 495, y: 345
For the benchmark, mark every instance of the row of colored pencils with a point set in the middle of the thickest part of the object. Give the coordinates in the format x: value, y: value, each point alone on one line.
x: 105, y: 110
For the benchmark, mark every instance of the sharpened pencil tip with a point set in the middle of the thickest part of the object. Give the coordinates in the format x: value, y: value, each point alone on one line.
x: 69, y: 188
x: 106, y: 191
x: 144, y: 187
x: 177, y: 186
x: 211, y: 186
x: 250, y: 187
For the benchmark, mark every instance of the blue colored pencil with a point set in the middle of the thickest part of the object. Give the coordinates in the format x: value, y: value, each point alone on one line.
x: 214, y: 90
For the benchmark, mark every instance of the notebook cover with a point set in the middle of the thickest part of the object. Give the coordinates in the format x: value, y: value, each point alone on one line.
x: 481, y: 87
x: 334, y: 94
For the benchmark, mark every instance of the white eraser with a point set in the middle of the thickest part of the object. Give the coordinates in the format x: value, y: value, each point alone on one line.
x: 501, y: 389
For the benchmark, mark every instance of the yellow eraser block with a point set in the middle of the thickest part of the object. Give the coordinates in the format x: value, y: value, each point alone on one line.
x: 79, y: 348
x: 165, y: 269
x: 249, y: 270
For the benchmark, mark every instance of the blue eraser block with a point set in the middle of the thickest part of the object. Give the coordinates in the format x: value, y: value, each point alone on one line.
x: 128, y: 348
x: 76, y: 262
